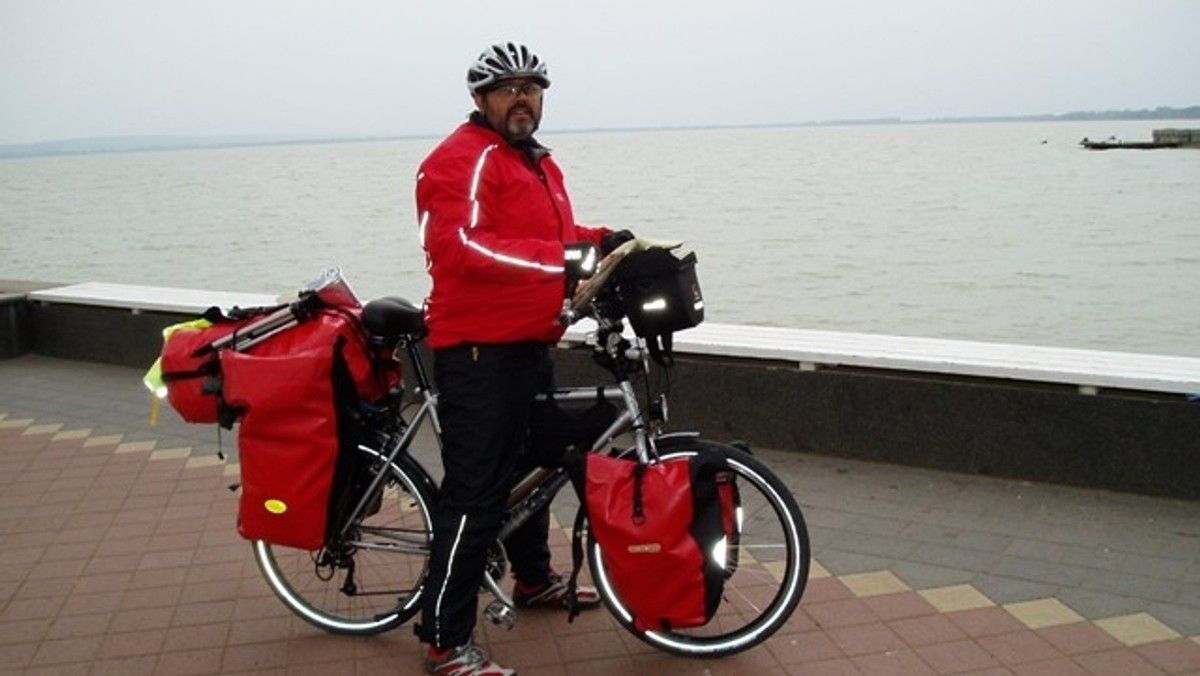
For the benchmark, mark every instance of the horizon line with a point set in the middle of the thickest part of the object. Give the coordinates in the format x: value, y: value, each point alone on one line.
x: 151, y: 142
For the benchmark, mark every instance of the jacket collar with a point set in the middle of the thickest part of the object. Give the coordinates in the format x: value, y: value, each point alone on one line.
x: 530, y: 147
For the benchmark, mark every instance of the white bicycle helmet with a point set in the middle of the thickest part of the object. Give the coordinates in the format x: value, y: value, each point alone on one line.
x: 505, y: 61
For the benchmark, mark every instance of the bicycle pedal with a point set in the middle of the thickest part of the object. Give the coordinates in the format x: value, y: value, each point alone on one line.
x: 501, y: 615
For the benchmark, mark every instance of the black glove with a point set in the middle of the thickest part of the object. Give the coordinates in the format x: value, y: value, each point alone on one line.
x: 580, y: 260
x: 613, y: 240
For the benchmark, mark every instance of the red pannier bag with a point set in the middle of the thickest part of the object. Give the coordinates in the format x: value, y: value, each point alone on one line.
x: 191, y: 368
x: 296, y: 395
x: 664, y: 531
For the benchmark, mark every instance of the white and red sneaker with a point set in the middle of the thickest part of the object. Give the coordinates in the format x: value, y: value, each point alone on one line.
x: 465, y: 660
x: 553, y: 593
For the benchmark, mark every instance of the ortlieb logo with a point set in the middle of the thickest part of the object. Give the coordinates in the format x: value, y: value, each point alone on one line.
x: 647, y: 548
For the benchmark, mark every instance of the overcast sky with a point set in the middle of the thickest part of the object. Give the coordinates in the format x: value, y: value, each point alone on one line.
x: 87, y: 68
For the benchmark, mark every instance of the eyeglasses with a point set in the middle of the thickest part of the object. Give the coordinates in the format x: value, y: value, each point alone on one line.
x: 511, y: 91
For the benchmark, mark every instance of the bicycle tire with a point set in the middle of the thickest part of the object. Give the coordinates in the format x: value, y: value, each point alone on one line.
x: 771, y: 573
x: 370, y: 581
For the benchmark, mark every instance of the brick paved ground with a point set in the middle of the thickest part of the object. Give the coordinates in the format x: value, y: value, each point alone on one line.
x: 118, y: 556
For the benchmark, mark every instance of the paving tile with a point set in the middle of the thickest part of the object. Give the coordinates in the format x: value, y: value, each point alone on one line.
x: 18, y: 655
x: 1021, y: 586
x: 866, y: 639
x: 135, y: 447
x: 1078, y: 638
x: 1180, y: 656
x: 981, y: 622
x: 893, y: 663
x: 128, y: 644
x: 956, y: 597
x: 123, y: 666
x: 189, y: 663
x: 957, y: 558
x: 930, y: 576
x: 1132, y: 585
x: 825, y: 589
x: 26, y: 631
x: 874, y: 584
x: 78, y: 626
x: 1182, y: 617
x: 889, y: 607
x: 181, y: 453
x: 194, y: 462
x: 1094, y: 604
x: 72, y: 434
x: 36, y: 430
x: 840, y: 613
x: 1019, y: 647
x: 1137, y: 629
x: 1117, y: 663
x: 957, y: 657
x: 816, y: 571
x: 67, y: 651
x: 1043, y: 613
x: 927, y: 630
x: 106, y: 440
x: 1059, y: 666
x: 807, y: 647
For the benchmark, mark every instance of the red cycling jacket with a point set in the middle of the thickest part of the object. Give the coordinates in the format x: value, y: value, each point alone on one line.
x: 494, y: 219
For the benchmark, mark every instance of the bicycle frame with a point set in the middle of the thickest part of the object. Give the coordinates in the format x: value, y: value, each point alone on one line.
x: 398, y: 445
x: 538, y: 488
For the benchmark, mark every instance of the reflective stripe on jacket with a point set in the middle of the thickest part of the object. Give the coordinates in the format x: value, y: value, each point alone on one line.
x: 493, y: 223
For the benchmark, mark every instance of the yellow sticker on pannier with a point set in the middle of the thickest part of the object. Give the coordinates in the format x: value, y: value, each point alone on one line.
x: 275, y: 506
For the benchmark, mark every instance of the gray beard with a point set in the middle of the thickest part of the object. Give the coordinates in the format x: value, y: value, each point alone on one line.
x: 519, y: 131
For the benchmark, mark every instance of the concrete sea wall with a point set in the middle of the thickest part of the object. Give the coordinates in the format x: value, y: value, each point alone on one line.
x: 1104, y: 420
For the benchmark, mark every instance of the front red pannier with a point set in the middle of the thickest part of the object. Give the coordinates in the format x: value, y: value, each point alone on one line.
x: 663, y: 530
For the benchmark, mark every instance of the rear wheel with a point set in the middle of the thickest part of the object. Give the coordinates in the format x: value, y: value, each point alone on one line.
x: 768, y: 567
x: 368, y: 580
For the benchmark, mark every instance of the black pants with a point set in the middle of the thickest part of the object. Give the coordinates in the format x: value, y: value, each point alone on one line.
x: 485, y: 393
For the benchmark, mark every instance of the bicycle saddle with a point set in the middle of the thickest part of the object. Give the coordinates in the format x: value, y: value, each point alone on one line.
x: 393, y: 316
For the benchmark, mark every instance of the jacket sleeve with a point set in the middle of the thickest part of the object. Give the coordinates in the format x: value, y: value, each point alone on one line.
x: 591, y: 233
x: 455, y: 232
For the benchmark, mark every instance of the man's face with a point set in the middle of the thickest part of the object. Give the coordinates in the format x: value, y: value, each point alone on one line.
x: 513, y: 108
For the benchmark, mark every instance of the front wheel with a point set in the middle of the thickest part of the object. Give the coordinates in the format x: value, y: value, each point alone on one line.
x: 768, y: 570
x: 368, y: 579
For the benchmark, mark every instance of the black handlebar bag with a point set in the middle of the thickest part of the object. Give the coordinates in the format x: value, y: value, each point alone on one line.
x: 660, y: 294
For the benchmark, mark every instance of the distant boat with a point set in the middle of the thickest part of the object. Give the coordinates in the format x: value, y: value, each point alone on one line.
x: 1163, y: 138
x: 1133, y: 145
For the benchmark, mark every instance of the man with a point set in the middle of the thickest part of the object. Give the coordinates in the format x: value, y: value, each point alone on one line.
x: 499, y: 237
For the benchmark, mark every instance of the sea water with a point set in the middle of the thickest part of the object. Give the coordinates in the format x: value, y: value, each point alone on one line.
x: 1005, y: 232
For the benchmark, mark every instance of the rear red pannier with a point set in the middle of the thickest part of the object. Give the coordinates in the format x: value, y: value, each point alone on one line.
x: 296, y: 395
x: 295, y: 377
